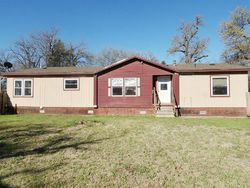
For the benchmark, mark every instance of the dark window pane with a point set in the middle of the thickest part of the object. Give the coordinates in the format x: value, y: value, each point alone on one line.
x: 27, y: 92
x: 27, y: 84
x: 220, y: 90
x: 18, y: 83
x: 18, y: 91
x: 71, y: 84
x: 220, y: 86
x: 117, y: 90
x: 130, y: 90
x: 164, y: 86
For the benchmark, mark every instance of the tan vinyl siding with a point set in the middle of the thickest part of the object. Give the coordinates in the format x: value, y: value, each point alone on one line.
x: 49, y: 92
x: 195, y: 91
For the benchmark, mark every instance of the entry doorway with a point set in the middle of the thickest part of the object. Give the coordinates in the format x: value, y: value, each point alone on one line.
x: 164, y: 89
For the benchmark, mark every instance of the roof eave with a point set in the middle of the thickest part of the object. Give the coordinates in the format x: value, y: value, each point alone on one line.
x: 213, y: 70
x: 140, y: 59
x: 45, y: 74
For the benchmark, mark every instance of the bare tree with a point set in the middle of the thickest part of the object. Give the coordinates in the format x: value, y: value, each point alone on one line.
x: 5, y: 56
x: 236, y: 36
x: 78, y: 55
x: 50, y: 47
x: 47, y: 49
x: 45, y: 43
x: 110, y: 55
x: 5, y: 66
x: 188, y: 42
x: 149, y: 56
x: 26, y: 54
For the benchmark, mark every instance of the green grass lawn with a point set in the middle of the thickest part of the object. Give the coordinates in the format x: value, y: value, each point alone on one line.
x: 88, y: 151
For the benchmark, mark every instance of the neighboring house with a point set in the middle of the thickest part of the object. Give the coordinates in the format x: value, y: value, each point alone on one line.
x: 132, y: 86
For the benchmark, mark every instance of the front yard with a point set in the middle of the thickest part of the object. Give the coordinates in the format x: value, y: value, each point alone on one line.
x: 80, y: 151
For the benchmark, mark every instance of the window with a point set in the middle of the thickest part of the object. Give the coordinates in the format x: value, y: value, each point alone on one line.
x: 71, y: 84
x: 18, y: 87
x: 164, y: 86
x: 130, y: 86
x: 27, y: 87
x: 23, y: 87
x: 124, y: 87
x: 220, y: 86
x: 117, y: 86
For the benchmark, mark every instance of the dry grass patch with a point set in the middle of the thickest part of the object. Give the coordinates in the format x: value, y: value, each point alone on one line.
x: 76, y: 151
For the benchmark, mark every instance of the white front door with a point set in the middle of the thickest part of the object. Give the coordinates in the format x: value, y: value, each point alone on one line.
x: 164, y: 89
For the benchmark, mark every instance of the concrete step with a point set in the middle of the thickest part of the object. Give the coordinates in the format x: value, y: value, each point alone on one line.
x: 164, y: 112
x: 164, y: 115
x: 166, y: 109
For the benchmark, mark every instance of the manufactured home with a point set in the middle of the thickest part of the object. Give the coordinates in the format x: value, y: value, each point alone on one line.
x: 130, y: 87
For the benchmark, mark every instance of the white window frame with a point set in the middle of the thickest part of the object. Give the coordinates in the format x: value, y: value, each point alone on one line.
x: 123, y: 87
x: 117, y: 86
x: 228, y: 86
x: 23, y: 88
x: 71, y: 89
x: 136, y: 87
x: 14, y: 89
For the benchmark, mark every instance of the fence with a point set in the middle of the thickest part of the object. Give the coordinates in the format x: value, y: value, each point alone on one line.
x: 5, y: 104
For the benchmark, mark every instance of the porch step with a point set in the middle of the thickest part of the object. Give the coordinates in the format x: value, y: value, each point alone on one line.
x: 165, y: 112
x: 166, y: 116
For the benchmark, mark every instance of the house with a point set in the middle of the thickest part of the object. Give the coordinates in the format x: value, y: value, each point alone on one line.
x: 132, y: 86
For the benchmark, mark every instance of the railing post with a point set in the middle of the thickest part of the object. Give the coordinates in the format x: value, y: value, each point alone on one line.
x: 248, y: 103
x: 1, y: 103
x: 154, y: 97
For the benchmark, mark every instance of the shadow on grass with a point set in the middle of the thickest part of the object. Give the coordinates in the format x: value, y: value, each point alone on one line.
x: 22, y: 141
x: 56, y: 144
x: 31, y: 171
x: 4, y: 185
x: 28, y: 130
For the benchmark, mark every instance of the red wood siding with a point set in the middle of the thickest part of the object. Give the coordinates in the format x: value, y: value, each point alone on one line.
x: 176, y: 89
x: 137, y: 69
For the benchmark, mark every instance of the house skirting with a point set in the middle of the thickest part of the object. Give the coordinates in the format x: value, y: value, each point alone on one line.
x: 213, y: 111
x: 55, y: 110
x: 86, y: 111
x: 124, y: 111
x: 194, y: 111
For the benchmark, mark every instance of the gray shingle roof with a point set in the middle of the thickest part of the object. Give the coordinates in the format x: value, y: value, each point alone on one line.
x: 208, y: 67
x: 49, y: 71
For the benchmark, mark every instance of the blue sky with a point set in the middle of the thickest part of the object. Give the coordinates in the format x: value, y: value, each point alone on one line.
x: 136, y: 25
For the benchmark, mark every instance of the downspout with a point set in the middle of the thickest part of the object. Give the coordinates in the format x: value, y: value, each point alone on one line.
x: 176, y: 90
x: 95, y: 91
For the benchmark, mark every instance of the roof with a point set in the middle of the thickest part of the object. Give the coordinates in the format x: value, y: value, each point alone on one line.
x: 54, y: 71
x: 118, y: 63
x: 218, y: 67
x: 186, y: 68
x: 89, y: 71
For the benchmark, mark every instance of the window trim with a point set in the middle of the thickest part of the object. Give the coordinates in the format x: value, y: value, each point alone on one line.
x: 136, y: 87
x: 228, y: 85
x: 117, y: 86
x: 123, y: 87
x: 14, y: 88
x: 31, y: 86
x: 23, y: 87
x: 71, y: 89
